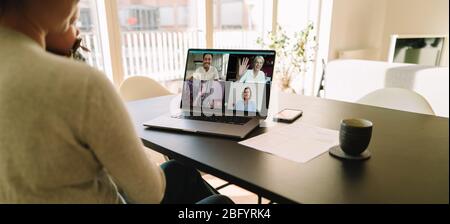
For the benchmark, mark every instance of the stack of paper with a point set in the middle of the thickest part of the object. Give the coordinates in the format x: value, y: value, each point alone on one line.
x: 298, y: 142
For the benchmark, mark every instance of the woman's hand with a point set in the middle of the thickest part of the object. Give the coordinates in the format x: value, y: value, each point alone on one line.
x: 243, y: 66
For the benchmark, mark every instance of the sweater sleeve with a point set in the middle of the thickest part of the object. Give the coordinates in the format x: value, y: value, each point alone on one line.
x: 107, y: 131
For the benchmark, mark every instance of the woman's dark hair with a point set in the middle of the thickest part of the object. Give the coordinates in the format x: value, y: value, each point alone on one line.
x: 2, y: 6
x: 203, y: 54
x: 8, y: 4
x: 249, y: 89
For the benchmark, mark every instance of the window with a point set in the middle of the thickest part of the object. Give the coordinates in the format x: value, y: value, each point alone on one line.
x: 88, y: 25
x: 304, y: 12
x: 151, y: 37
x: 85, y: 23
x: 156, y: 35
x: 139, y: 18
x: 238, y: 23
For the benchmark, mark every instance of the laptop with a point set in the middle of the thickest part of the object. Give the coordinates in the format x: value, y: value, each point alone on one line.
x: 225, y: 92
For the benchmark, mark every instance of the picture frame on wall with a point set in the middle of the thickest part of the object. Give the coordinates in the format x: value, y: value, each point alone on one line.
x: 417, y: 49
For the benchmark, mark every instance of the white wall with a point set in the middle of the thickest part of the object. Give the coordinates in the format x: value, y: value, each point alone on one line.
x: 368, y: 24
x: 356, y: 24
x: 416, y: 17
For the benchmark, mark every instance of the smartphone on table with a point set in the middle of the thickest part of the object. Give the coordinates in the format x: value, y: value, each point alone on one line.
x: 288, y: 115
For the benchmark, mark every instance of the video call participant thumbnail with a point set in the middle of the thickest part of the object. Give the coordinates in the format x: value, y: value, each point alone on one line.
x: 246, y: 104
x: 207, y: 71
x: 254, y: 75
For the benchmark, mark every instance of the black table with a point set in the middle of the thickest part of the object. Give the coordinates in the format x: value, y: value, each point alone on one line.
x: 409, y: 164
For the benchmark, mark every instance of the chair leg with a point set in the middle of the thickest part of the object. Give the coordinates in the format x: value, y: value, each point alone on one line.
x: 259, y: 200
x: 223, y: 186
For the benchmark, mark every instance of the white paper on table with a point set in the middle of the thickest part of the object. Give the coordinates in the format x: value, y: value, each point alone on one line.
x: 298, y: 142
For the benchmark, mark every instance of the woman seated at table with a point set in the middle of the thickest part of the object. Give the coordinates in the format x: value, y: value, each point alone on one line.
x: 66, y: 136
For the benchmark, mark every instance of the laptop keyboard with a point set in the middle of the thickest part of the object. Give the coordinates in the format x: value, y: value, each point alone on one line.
x: 218, y: 119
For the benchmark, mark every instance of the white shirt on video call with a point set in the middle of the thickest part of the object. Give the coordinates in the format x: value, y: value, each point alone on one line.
x: 251, y: 106
x: 248, y: 77
x: 201, y: 74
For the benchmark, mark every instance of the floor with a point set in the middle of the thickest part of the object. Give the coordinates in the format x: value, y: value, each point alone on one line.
x: 237, y: 194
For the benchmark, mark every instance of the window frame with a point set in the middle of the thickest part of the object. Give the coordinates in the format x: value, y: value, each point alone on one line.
x: 110, y: 36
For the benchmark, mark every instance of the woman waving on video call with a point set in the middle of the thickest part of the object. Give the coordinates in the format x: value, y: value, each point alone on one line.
x: 254, y: 75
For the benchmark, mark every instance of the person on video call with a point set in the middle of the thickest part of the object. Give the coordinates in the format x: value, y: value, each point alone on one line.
x: 254, y: 75
x: 246, y: 104
x: 206, y: 72
x: 202, y: 99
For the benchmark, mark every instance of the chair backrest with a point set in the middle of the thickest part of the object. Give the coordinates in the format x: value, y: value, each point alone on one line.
x: 349, y: 80
x: 399, y: 99
x: 141, y: 87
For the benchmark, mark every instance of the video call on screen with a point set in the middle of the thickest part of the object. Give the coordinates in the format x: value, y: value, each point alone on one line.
x: 228, y: 80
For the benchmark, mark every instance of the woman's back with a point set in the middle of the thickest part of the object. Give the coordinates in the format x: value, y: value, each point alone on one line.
x: 63, y: 126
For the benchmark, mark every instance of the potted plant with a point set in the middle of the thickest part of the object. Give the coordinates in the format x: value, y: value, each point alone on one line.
x: 294, y: 56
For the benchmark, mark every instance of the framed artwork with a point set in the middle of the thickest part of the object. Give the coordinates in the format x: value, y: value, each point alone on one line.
x: 417, y: 49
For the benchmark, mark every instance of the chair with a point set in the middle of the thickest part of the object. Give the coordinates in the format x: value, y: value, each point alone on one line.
x: 141, y: 87
x: 350, y: 80
x: 399, y: 99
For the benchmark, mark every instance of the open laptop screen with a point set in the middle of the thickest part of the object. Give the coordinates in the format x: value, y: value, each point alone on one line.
x: 220, y: 81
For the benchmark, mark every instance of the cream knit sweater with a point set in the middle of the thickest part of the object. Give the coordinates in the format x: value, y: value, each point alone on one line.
x: 64, y: 132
